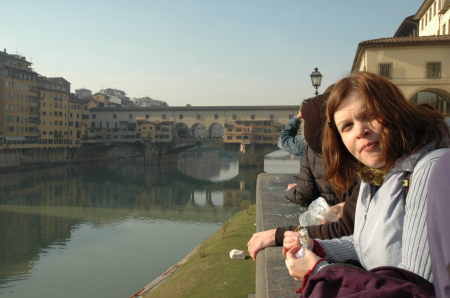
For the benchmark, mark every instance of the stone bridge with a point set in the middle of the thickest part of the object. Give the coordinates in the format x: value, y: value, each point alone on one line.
x: 249, y: 155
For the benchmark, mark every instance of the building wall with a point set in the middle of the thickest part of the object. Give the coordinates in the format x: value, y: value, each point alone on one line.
x: 409, y: 70
x: 83, y: 92
x: 434, y: 16
x: 164, y: 132
x: 252, y: 132
x: 54, y: 111
x: 76, y: 127
x: 18, y: 100
x: 145, y: 131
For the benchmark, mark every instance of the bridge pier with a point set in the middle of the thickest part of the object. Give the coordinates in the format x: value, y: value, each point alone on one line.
x: 151, y: 154
x: 157, y: 153
x: 250, y: 155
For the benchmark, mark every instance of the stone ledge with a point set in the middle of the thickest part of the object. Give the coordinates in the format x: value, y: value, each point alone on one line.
x: 272, y: 211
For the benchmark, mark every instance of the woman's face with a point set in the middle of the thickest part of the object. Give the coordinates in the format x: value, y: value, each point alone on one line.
x: 360, y: 135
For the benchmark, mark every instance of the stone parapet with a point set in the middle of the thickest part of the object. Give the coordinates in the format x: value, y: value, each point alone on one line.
x: 273, y: 210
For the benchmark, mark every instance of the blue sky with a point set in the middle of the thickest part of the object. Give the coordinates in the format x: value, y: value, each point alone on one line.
x: 198, y: 52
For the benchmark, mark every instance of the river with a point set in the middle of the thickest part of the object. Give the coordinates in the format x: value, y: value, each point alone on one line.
x: 108, y: 229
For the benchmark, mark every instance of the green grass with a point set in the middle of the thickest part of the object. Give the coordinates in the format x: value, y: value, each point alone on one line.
x: 210, y: 272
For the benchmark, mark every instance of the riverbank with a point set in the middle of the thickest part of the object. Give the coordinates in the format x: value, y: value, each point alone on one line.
x: 16, y: 159
x: 208, y: 270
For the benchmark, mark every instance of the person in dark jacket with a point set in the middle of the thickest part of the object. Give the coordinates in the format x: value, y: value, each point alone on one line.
x: 312, y: 185
x: 311, y: 179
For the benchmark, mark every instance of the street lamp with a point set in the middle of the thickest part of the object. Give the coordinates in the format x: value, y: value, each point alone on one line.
x: 316, y: 79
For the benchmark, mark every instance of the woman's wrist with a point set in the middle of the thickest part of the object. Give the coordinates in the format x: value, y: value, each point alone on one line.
x: 318, y: 249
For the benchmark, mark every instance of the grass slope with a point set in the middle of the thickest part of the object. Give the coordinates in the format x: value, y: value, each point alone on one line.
x: 216, y: 275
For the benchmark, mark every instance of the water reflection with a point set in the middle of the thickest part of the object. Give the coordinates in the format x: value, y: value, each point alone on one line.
x: 100, y: 209
x: 209, y: 164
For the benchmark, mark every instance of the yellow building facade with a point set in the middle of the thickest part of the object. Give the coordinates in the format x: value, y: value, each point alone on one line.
x: 252, y: 132
x: 418, y: 65
x: 18, y: 101
x: 417, y: 58
x: 145, y: 130
x: 78, y: 118
x: 54, y: 110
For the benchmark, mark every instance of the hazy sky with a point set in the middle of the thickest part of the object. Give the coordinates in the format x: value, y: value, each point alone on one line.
x: 201, y: 52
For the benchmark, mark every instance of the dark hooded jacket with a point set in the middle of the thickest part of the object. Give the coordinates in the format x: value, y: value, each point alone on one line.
x: 311, y: 179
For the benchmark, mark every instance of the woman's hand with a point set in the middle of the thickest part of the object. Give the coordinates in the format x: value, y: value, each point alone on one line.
x: 291, y: 240
x: 299, y: 115
x: 291, y: 186
x: 338, y: 209
x: 333, y: 214
x: 299, y: 267
x: 260, y: 241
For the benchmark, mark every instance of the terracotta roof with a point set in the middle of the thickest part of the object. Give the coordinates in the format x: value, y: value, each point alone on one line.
x: 408, y: 40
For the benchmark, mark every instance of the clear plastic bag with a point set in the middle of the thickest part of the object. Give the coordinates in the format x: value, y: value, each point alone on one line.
x: 317, y: 211
x: 304, y: 241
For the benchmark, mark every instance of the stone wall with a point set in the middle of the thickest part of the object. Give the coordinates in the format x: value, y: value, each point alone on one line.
x: 272, y: 211
x: 16, y: 159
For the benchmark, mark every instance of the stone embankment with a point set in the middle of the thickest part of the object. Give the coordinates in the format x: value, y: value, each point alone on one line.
x: 272, y: 211
x: 29, y: 158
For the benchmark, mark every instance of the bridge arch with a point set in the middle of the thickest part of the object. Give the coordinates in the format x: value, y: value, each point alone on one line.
x: 216, y: 130
x: 181, y: 130
x: 198, y: 130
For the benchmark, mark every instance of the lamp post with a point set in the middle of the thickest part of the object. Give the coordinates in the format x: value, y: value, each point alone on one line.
x: 316, y: 79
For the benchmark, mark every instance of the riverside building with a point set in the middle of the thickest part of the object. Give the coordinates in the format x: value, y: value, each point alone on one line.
x: 416, y: 58
x: 18, y: 100
x: 54, y: 110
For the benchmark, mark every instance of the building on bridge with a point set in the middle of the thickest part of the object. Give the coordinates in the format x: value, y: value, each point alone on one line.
x: 235, y: 124
x: 252, y: 132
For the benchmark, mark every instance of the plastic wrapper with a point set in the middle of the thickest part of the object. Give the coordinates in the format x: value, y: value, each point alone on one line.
x: 317, y: 211
x: 304, y: 241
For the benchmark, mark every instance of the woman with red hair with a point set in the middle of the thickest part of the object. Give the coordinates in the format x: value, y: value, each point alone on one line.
x: 372, y: 130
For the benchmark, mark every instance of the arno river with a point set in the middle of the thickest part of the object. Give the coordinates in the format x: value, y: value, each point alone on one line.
x: 108, y: 229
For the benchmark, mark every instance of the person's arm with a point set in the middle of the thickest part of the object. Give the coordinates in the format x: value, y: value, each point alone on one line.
x: 344, y: 226
x: 279, y: 234
x: 438, y: 222
x: 415, y: 249
x: 289, y: 140
x: 339, y: 250
x: 260, y: 241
